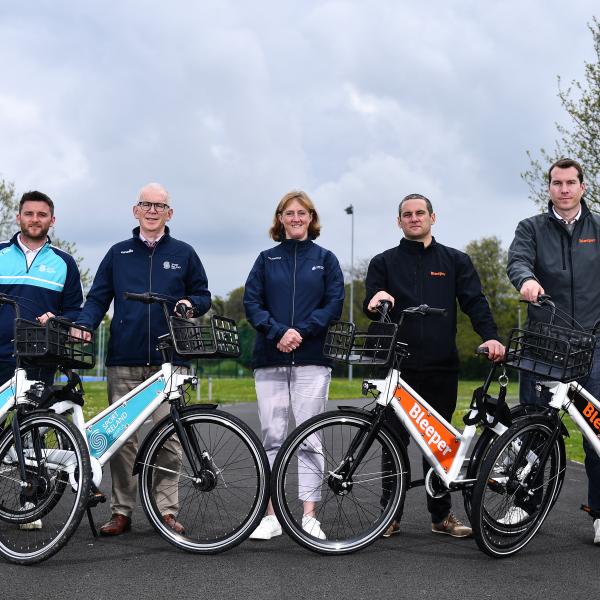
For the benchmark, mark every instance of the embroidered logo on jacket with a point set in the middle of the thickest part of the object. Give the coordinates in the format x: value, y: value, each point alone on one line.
x: 588, y: 241
x: 274, y: 257
x: 127, y: 251
x: 318, y: 267
x: 437, y: 274
x: 170, y: 265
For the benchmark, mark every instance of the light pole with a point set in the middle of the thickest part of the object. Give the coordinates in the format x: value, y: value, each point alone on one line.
x: 350, y: 211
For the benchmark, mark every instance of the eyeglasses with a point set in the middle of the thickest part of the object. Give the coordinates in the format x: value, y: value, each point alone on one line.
x: 159, y: 207
x: 290, y: 214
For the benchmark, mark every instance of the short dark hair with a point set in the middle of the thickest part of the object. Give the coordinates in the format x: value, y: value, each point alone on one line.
x: 415, y: 197
x: 35, y: 196
x: 566, y: 163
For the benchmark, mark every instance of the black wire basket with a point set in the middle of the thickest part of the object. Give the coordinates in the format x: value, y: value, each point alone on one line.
x: 553, y: 352
x: 373, y: 347
x: 217, y: 339
x: 56, y: 343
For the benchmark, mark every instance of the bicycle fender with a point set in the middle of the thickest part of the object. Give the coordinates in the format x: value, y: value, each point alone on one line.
x: 523, y: 410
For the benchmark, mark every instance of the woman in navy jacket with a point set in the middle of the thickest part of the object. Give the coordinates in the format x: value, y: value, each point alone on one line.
x: 292, y: 294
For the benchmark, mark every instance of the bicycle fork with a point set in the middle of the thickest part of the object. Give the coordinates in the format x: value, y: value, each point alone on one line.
x: 204, y: 471
x: 340, y: 479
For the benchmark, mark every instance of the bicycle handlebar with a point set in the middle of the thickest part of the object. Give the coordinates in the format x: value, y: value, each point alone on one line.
x: 425, y: 310
x: 146, y: 297
x: 4, y: 299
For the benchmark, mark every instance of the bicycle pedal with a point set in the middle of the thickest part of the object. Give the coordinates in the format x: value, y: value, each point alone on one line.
x: 96, y: 498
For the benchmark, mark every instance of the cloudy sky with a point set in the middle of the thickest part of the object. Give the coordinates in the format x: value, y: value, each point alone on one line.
x: 230, y: 104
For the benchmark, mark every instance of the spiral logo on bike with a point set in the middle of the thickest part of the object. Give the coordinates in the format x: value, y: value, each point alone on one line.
x: 98, y: 442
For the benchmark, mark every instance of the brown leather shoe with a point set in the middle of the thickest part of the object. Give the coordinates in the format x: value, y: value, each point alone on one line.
x: 170, y: 521
x: 117, y: 525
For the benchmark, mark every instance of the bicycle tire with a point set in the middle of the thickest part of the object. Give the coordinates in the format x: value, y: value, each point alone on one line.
x: 483, y: 445
x: 351, y: 517
x: 214, y: 518
x: 509, y: 505
x: 57, y: 488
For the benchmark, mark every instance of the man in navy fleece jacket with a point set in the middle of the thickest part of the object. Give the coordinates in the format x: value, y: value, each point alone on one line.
x: 150, y: 261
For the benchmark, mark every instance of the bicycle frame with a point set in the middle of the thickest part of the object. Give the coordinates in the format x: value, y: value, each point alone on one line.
x: 581, y: 406
x: 444, y: 447
x: 108, y: 431
x: 13, y: 391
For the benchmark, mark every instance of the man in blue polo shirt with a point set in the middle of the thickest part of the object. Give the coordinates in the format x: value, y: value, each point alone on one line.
x: 43, y: 279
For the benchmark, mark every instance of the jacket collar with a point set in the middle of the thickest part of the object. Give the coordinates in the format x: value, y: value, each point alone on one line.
x: 14, y: 240
x: 136, y: 233
x: 584, y: 211
x: 300, y: 245
x: 415, y: 247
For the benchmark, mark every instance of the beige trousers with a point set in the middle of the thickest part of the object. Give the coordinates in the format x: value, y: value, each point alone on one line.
x: 121, y: 380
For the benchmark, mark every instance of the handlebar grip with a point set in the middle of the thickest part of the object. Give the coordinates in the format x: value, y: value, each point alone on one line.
x: 4, y: 299
x: 442, y: 312
x: 482, y: 350
x: 384, y: 308
x: 181, y: 309
x: 146, y: 298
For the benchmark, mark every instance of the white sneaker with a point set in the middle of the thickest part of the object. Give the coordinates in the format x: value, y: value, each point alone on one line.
x: 597, y: 532
x: 313, y: 527
x: 37, y: 524
x: 268, y: 528
x: 514, y: 515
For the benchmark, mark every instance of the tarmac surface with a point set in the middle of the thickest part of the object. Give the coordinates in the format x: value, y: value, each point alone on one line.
x: 560, y: 562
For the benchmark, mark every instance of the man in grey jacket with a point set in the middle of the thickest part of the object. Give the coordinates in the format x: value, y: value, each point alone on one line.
x: 557, y: 253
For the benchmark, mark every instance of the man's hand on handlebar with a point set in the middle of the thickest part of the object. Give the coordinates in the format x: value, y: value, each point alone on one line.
x: 79, y: 334
x: 184, y: 308
x: 377, y: 298
x: 531, y: 290
x: 495, y: 350
x: 43, y: 318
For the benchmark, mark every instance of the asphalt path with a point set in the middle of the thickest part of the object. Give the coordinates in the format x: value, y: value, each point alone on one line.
x: 560, y: 562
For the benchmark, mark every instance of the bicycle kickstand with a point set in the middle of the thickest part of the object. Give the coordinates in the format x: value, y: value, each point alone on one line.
x: 96, y: 497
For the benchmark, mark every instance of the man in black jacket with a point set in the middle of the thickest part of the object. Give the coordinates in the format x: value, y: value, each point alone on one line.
x: 556, y: 253
x: 422, y: 271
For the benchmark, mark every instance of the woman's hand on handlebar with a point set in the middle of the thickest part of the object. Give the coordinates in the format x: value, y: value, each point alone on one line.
x: 495, y: 350
x: 377, y: 298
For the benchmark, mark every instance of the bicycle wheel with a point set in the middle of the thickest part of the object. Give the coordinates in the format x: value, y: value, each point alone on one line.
x: 312, y: 465
x: 222, y: 506
x: 517, y: 486
x: 56, y: 488
x: 483, y: 445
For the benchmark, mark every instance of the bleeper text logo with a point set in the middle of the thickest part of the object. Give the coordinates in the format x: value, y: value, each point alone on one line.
x: 438, y: 437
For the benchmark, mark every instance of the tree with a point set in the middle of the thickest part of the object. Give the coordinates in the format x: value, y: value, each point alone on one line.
x: 489, y: 259
x: 9, y: 207
x: 581, y: 139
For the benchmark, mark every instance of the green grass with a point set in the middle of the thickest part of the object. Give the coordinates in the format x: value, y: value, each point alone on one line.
x: 231, y: 390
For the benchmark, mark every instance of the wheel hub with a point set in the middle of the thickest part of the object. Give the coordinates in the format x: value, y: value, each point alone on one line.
x: 340, y: 485
x: 206, y: 482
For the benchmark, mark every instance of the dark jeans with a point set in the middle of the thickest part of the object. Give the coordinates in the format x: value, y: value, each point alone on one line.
x: 440, y: 389
x: 45, y: 374
x: 527, y: 395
